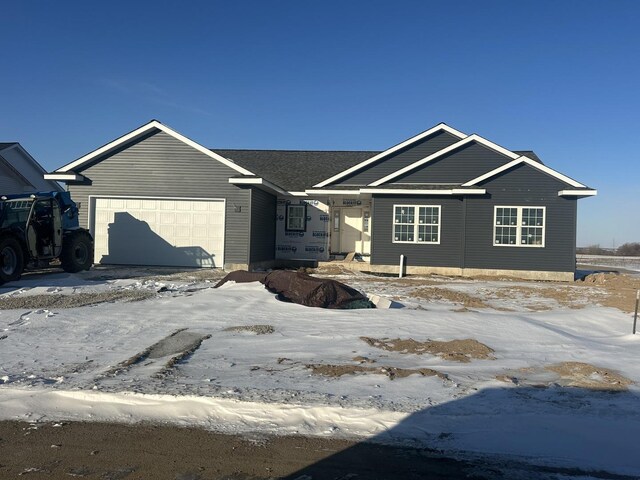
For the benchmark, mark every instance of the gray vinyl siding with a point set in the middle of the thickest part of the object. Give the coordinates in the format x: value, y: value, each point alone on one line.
x: 159, y: 165
x: 522, y: 186
x: 457, y: 167
x: 466, y: 236
x: 400, y: 159
x: 263, y: 226
x: 447, y: 254
x: 10, y: 183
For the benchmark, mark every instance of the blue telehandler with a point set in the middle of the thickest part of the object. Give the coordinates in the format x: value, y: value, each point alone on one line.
x: 38, y: 228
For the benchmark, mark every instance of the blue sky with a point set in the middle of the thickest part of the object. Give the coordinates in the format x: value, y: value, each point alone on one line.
x: 559, y: 77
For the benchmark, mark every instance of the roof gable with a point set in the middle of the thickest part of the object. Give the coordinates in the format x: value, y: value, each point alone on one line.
x: 455, y: 167
x: 4, y: 145
x: 523, y: 160
x: 444, y: 151
x: 76, y: 165
x: 398, y: 160
x: 20, y: 165
x: 438, y: 128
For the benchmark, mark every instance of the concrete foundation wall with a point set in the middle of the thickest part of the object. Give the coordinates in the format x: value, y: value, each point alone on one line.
x: 457, y: 272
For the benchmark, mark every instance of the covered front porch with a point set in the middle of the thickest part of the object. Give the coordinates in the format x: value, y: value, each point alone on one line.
x: 324, y: 228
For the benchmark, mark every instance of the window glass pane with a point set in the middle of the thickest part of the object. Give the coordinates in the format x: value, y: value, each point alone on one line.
x: 427, y: 233
x: 404, y: 214
x: 505, y: 235
x: 506, y: 216
x: 428, y: 215
x: 531, y: 236
x: 403, y: 233
x: 533, y: 217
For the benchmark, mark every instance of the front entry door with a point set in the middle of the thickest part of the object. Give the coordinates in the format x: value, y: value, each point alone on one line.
x: 351, y: 231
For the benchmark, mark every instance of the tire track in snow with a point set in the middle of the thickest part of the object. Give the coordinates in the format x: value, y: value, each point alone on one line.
x: 159, y: 359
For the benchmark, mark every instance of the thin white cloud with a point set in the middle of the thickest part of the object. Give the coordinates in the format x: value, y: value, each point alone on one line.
x: 149, y: 92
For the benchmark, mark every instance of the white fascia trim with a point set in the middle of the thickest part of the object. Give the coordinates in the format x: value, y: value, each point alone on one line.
x: 439, y: 153
x: 420, y: 136
x: 531, y: 163
x: 469, y: 191
x: 453, y: 191
x: 143, y: 129
x: 298, y: 194
x: 76, y: 177
x: 257, y: 181
x: 246, y: 181
x: 578, y: 193
x: 493, y: 172
x: 332, y: 192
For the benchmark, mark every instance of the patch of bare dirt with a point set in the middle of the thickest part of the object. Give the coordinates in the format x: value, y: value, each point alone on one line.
x: 361, y: 359
x: 568, y: 296
x: 391, y: 372
x: 336, y: 269
x: 435, y: 293
x: 72, y: 300
x: 256, y: 329
x: 584, y: 375
x: 567, y: 374
x: 101, y: 272
x: 620, y: 289
x: 456, y: 350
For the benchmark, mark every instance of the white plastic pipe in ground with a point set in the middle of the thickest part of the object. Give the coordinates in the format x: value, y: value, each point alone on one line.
x: 401, y: 272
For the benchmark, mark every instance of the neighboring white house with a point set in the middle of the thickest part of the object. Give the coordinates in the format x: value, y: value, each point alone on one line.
x: 20, y: 173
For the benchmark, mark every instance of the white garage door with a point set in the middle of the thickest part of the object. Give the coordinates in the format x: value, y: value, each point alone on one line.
x: 158, y: 231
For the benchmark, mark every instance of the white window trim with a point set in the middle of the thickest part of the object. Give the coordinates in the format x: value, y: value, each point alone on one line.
x: 518, y: 226
x: 416, y: 224
x: 288, y: 217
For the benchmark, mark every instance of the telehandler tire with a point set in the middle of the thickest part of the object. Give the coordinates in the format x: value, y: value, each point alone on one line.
x: 77, y: 252
x: 11, y: 260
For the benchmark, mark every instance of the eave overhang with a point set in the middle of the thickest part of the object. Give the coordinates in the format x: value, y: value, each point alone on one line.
x: 258, y: 182
x: 399, y: 191
x: 64, y: 177
x: 587, y: 192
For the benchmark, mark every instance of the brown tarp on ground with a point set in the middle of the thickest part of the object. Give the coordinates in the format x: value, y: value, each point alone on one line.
x: 303, y: 289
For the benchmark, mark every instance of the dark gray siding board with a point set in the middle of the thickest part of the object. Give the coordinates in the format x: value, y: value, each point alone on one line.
x: 10, y: 183
x: 159, y: 165
x: 459, y: 166
x: 447, y: 254
x: 400, y: 159
x: 263, y: 226
x: 522, y: 186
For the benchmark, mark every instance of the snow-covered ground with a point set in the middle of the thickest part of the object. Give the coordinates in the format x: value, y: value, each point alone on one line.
x: 610, y: 261
x: 99, y: 363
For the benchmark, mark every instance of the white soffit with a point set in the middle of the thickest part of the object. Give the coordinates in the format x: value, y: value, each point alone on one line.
x: 408, y: 191
x: 258, y: 181
x: 76, y: 177
x: 578, y: 193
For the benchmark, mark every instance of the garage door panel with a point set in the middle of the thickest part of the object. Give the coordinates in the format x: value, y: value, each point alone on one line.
x: 171, y: 232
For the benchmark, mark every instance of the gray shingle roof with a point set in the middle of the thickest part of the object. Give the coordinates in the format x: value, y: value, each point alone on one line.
x: 295, y: 170
x: 298, y: 170
x: 528, y: 153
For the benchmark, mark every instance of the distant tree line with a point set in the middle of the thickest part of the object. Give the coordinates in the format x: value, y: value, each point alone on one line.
x: 625, y: 250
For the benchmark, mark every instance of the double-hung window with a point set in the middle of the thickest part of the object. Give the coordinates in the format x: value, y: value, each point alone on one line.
x: 519, y: 226
x: 416, y: 224
x: 296, y: 218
